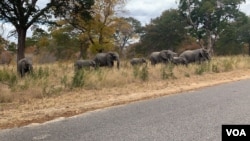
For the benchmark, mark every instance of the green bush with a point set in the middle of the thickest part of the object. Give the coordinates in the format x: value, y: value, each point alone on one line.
x: 167, y: 71
x: 8, y: 77
x: 78, y: 79
x: 144, y: 73
x: 141, y: 72
x: 40, y: 73
x: 136, y: 71
x: 202, y: 68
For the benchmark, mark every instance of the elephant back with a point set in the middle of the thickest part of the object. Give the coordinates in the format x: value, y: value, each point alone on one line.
x: 100, y: 58
x: 196, y: 55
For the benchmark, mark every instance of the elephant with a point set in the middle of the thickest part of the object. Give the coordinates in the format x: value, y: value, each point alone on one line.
x: 137, y: 61
x: 24, y: 66
x: 178, y: 60
x: 107, y: 59
x: 79, y: 64
x: 195, y: 56
x: 163, y: 56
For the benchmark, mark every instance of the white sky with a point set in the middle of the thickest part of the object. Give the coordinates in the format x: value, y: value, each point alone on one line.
x: 142, y: 10
x: 145, y: 10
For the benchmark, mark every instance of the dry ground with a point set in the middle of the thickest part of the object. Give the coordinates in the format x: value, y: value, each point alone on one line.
x: 81, y: 100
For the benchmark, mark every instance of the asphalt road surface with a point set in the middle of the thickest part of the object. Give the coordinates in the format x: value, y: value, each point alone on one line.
x: 191, y: 116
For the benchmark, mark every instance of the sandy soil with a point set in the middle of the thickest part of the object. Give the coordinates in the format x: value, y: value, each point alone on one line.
x: 77, y: 102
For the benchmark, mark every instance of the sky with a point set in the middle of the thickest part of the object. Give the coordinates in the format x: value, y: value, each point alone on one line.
x: 145, y: 10
x: 142, y: 10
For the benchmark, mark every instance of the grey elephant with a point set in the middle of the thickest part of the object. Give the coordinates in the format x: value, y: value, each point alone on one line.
x: 163, y: 56
x: 138, y: 61
x: 107, y: 59
x: 195, y: 56
x: 24, y: 66
x: 178, y: 61
x: 79, y: 64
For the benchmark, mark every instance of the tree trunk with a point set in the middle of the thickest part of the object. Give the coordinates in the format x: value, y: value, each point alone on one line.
x: 21, y: 43
x: 210, y: 41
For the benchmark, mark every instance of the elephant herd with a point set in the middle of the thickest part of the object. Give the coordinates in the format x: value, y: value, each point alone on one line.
x: 107, y: 59
x: 164, y: 56
x: 100, y: 60
x: 186, y: 57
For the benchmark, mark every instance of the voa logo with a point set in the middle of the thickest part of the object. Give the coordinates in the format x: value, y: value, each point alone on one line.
x: 236, y: 132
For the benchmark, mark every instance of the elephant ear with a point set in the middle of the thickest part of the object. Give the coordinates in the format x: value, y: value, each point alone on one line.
x: 109, y: 57
x: 115, y: 57
x: 204, y: 54
x: 164, y: 55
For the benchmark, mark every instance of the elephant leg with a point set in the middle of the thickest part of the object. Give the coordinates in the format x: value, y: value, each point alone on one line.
x: 22, y: 72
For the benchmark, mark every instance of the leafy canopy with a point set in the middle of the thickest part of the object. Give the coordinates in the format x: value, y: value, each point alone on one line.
x: 208, y: 18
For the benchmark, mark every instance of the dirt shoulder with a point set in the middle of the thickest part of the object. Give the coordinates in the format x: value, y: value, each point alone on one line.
x: 80, y: 101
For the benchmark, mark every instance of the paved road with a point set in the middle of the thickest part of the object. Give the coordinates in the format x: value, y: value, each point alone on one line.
x: 191, y: 116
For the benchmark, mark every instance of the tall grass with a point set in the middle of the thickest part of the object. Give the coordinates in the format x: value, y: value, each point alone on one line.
x: 55, y: 79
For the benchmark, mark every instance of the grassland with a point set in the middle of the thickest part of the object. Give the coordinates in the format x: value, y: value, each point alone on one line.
x: 55, y: 90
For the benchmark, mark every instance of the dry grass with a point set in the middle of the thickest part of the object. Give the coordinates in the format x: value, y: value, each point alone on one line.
x: 53, y: 90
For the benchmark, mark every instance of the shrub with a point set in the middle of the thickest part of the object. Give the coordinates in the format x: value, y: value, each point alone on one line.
x: 144, y: 73
x: 167, y: 72
x: 78, y: 79
x: 141, y: 72
x: 40, y: 73
x: 201, y: 68
x: 8, y: 77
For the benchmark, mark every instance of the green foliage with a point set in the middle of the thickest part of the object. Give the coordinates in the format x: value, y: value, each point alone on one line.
x: 167, y: 71
x: 126, y: 29
x: 144, y: 73
x: 164, y: 32
x: 202, y: 68
x: 78, y: 79
x: 40, y: 73
x: 136, y: 71
x: 141, y: 72
x: 8, y: 77
x: 23, y: 14
x: 96, y: 48
x: 209, y: 18
x: 231, y: 42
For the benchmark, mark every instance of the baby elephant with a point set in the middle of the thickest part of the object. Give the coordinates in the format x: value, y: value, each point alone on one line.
x: 79, y: 64
x: 137, y: 61
x: 178, y: 61
x: 24, y: 66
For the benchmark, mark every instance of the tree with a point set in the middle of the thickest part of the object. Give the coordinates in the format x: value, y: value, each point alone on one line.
x: 243, y: 34
x: 207, y: 18
x: 100, y: 29
x: 127, y: 30
x: 235, y: 35
x: 65, y: 41
x: 164, y: 32
x: 22, y: 14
